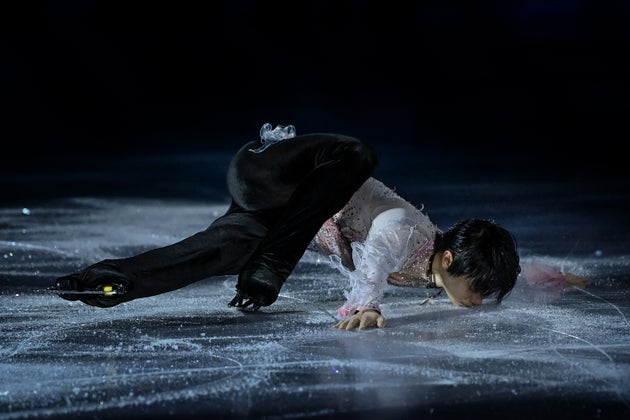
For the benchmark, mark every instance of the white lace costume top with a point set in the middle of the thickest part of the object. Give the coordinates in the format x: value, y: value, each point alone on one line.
x: 376, y: 239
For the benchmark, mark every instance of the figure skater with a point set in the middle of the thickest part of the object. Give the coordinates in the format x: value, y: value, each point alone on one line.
x: 315, y: 191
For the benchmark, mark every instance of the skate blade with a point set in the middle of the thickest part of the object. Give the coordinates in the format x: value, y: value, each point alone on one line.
x: 249, y: 305
x: 106, y: 290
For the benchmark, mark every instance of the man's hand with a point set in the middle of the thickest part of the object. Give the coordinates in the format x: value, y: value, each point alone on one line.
x: 571, y: 281
x: 363, y: 319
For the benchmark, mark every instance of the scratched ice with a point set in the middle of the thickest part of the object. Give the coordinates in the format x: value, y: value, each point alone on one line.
x: 187, y: 353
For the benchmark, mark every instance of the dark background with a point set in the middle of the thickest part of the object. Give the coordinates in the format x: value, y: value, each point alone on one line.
x: 539, y: 82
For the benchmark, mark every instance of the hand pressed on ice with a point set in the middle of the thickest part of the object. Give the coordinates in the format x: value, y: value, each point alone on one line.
x: 572, y: 281
x: 363, y: 319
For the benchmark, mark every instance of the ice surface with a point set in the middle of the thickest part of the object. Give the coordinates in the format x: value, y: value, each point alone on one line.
x: 187, y: 353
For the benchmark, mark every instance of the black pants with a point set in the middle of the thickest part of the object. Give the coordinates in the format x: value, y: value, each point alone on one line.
x: 280, y: 199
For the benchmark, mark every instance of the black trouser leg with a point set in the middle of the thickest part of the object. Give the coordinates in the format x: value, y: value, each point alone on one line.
x: 338, y: 168
x: 222, y: 249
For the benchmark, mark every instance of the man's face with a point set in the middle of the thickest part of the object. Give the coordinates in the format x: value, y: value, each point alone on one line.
x: 459, y: 292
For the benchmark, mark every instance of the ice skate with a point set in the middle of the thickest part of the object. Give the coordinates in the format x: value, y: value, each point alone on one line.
x: 258, y: 285
x: 97, y: 285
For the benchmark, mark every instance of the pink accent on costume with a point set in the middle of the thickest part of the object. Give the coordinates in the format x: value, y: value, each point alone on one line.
x: 332, y: 242
x: 347, y: 310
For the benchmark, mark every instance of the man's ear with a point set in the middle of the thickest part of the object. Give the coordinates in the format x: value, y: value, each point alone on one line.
x: 447, y: 259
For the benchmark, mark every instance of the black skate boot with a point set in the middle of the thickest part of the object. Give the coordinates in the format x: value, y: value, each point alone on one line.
x: 99, y: 285
x: 259, y: 284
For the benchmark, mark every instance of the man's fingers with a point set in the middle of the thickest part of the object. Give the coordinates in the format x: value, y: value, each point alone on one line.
x: 341, y: 324
x: 344, y: 324
x: 362, y: 321
x: 366, y: 321
x: 353, y: 322
x: 577, y: 281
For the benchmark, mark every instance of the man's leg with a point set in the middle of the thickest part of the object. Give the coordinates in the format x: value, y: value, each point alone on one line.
x: 222, y: 249
x: 323, y: 173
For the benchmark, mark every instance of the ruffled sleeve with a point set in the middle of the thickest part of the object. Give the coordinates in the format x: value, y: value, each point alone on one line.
x: 383, y: 252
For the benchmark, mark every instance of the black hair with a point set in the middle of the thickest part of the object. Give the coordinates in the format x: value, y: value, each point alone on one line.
x: 484, y: 252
